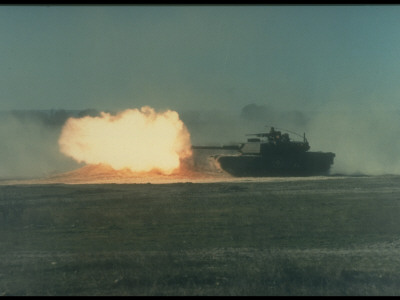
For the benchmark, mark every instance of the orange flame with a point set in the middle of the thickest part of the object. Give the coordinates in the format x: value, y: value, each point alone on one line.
x: 140, y: 140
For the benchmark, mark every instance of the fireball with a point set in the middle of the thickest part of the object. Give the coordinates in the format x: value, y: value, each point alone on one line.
x: 139, y: 140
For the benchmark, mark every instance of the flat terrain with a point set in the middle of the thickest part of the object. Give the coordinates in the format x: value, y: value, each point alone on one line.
x: 314, y: 236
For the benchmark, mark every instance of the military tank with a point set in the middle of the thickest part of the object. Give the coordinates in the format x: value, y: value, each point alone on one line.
x: 272, y: 153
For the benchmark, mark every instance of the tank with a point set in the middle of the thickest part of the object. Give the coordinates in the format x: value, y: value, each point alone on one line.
x: 273, y: 154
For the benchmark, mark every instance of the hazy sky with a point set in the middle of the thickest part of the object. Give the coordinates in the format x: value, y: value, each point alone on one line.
x: 199, y: 57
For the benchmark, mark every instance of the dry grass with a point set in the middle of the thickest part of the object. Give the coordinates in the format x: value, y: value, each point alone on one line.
x: 316, y: 237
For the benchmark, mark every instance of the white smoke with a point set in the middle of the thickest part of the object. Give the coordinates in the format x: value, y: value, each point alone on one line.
x: 29, y: 147
x: 364, y: 142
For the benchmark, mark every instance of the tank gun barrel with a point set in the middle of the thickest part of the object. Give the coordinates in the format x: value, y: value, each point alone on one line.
x: 256, y: 134
x: 224, y: 147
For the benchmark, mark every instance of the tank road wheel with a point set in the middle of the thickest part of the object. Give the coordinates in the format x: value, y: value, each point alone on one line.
x: 276, y: 163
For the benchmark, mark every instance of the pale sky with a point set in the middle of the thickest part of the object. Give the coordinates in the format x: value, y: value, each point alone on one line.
x: 200, y: 57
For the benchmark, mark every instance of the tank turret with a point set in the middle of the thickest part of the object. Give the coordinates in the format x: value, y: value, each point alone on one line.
x: 273, y: 142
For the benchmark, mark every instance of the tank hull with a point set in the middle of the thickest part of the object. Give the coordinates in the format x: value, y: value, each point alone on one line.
x: 301, y: 164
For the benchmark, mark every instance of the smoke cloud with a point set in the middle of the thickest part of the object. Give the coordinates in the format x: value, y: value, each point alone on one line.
x: 28, y: 147
x: 213, y: 127
x: 365, y: 142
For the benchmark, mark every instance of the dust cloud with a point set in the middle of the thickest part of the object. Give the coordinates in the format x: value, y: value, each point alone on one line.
x: 224, y: 127
x: 365, y: 142
x: 29, y: 148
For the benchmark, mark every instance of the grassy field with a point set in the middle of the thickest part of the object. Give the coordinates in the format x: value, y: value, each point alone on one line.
x: 338, y: 236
